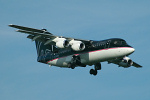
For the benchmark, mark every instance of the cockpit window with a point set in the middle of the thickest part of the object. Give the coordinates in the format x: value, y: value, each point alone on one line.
x: 124, y: 42
x: 117, y: 43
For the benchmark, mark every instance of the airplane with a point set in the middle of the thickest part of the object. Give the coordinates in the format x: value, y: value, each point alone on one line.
x: 67, y: 52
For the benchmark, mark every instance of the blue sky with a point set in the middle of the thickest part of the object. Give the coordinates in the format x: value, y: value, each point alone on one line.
x: 22, y: 78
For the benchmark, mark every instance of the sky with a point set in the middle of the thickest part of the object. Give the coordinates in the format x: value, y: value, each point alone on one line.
x: 23, y: 78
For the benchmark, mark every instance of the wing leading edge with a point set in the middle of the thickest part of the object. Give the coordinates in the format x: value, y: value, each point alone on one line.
x: 136, y: 65
x: 28, y: 29
x: 42, y: 35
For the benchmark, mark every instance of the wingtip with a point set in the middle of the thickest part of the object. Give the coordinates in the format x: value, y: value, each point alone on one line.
x: 141, y: 66
x: 10, y: 25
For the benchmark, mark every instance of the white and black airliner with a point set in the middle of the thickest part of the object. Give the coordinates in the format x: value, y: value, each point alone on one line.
x: 70, y: 52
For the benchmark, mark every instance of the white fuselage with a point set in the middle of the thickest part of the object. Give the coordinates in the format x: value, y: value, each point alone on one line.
x: 89, y: 58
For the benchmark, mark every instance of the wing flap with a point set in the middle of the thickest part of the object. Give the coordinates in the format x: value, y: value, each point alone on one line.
x: 35, y: 33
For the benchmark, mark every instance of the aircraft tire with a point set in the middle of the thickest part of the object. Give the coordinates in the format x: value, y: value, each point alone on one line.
x: 93, y: 72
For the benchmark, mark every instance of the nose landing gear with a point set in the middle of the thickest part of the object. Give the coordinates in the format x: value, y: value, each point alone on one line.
x: 96, y: 67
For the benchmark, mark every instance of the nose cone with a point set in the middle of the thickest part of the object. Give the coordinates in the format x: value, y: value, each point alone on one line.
x: 131, y: 50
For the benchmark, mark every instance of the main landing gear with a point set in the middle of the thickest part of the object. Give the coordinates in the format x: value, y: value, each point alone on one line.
x: 96, y: 67
x: 75, y: 61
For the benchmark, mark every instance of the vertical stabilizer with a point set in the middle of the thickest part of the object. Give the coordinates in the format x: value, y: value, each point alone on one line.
x: 44, y: 52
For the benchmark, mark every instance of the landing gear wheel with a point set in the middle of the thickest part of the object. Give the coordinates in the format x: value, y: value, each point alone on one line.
x: 94, y: 72
x: 96, y: 67
x: 91, y: 71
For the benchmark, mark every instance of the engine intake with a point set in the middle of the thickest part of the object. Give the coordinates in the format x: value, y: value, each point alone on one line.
x: 77, y: 45
x: 61, y: 42
x: 126, y: 62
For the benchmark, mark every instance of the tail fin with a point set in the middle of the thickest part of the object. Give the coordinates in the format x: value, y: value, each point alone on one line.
x: 44, y: 52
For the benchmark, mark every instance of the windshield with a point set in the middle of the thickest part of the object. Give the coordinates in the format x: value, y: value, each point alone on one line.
x: 120, y: 43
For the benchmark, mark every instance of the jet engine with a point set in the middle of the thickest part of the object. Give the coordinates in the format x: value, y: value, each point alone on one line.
x: 77, y: 45
x: 126, y: 62
x: 61, y: 42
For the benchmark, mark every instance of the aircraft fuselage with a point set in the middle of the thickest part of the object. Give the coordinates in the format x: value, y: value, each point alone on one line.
x: 97, y: 51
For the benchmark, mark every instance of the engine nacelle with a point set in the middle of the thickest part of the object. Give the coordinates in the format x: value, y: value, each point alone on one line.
x: 77, y: 45
x: 61, y: 42
x: 126, y: 62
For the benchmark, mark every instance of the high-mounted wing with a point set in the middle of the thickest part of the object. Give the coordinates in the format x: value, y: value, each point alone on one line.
x: 125, y: 62
x: 28, y: 29
x: 136, y: 65
x: 46, y: 37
